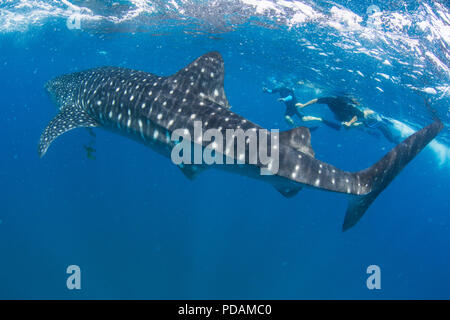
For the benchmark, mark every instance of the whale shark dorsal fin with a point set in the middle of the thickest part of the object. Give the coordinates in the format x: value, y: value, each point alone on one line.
x: 70, y: 117
x: 298, y: 138
x: 203, y: 79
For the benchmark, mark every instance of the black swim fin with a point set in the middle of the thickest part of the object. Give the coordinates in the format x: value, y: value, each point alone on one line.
x: 332, y: 125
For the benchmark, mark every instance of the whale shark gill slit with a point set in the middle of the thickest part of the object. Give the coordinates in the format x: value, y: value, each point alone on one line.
x: 150, y: 108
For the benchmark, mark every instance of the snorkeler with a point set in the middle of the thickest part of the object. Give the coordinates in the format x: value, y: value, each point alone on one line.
x: 288, y: 97
x: 348, y: 112
x: 345, y: 109
x: 89, y: 152
x: 89, y: 148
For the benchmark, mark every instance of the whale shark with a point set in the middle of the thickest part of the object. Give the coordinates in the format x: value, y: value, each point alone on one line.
x: 149, y: 108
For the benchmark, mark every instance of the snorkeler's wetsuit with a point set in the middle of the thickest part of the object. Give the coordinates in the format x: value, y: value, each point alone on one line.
x: 290, y: 101
x: 344, y: 108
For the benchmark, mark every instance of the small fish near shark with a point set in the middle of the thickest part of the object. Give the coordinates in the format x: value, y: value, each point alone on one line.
x: 149, y: 108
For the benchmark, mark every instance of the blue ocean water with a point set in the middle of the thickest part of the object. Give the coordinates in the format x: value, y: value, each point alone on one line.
x: 139, y: 229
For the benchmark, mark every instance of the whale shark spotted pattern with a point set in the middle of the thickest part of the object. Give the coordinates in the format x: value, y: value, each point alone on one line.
x: 149, y: 108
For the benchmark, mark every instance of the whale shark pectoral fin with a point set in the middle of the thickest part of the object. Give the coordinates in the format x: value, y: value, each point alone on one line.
x: 190, y: 171
x: 207, y: 73
x: 298, y: 138
x: 69, y: 118
x: 288, y: 192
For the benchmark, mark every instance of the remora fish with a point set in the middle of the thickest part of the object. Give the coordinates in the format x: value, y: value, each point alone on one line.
x: 149, y: 108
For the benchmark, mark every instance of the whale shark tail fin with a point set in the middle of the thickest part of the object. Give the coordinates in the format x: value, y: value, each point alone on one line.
x: 384, y: 171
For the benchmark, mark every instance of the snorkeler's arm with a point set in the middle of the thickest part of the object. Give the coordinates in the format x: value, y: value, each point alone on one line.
x: 285, y: 99
x: 301, y: 105
x: 266, y: 90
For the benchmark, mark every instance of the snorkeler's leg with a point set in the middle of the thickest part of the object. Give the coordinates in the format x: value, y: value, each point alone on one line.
x: 302, y: 105
x: 311, y: 118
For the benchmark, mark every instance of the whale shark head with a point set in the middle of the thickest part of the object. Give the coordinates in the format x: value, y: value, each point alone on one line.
x: 63, y: 88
